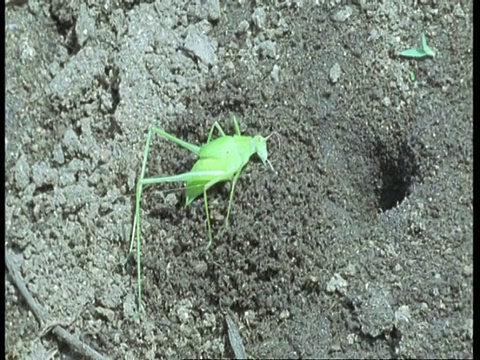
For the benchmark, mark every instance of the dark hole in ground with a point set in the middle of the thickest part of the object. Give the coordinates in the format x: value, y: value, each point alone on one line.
x: 398, y: 170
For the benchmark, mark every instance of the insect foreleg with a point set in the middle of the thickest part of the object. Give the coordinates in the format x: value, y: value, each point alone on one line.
x: 209, y: 225
x: 232, y: 190
x: 217, y: 126
x: 236, y: 126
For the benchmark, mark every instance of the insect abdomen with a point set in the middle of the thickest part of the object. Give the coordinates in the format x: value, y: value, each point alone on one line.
x: 208, y: 170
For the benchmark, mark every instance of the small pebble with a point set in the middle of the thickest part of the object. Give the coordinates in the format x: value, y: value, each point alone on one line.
x: 343, y: 14
x: 335, y: 73
x: 259, y: 17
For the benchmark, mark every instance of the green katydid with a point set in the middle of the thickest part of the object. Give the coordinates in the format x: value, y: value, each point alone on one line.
x: 219, y: 160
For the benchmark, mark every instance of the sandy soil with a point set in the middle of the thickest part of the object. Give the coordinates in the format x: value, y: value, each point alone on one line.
x: 359, y: 246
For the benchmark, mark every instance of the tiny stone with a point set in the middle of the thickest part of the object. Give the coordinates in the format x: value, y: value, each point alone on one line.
x: 284, y: 315
x: 213, y: 9
x: 468, y: 329
x: 171, y: 199
x: 58, y: 155
x: 351, y: 270
x: 337, y: 283
x: 202, y: 46
x: 85, y: 27
x: 335, y: 72
x: 343, y: 14
x: 22, y: 173
x: 259, y: 18
x: 468, y: 270
x: 200, y: 267
x: 275, y: 74
x: 43, y: 174
x: 70, y: 140
x: 387, y: 102
x: 402, y: 314
x: 268, y: 49
x: 243, y: 27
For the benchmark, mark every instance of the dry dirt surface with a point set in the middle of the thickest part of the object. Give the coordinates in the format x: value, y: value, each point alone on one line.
x: 359, y: 245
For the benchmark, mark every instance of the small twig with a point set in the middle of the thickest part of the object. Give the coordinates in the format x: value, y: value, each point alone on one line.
x: 236, y: 342
x: 63, y: 335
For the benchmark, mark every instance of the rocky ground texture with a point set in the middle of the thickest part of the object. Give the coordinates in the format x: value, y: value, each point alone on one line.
x: 359, y: 245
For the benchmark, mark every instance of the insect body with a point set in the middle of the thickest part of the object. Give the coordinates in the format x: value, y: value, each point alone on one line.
x: 219, y: 160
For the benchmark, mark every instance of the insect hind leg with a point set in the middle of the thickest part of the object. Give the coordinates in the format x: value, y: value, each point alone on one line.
x: 186, y: 145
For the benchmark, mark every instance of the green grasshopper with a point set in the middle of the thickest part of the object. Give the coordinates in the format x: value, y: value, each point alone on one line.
x: 219, y: 160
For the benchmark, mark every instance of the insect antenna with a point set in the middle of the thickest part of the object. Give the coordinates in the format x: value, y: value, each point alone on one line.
x: 269, y: 136
x: 271, y: 166
x: 268, y: 161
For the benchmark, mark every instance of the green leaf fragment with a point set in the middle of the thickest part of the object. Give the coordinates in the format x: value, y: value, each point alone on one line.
x: 424, y: 51
x: 413, y: 53
x: 426, y: 48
